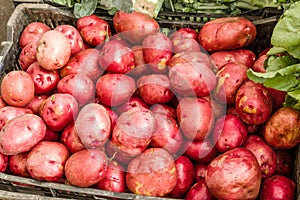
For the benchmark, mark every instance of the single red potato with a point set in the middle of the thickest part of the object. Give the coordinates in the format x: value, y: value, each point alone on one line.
x: 17, y: 88
x: 93, y: 29
x: 46, y: 161
x: 282, y: 130
x: 4, y: 159
x: 199, y: 191
x: 36, y: 102
x: 197, y: 58
x: 28, y: 55
x: 200, y: 170
x: 185, y: 33
x: 32, y: 32
x: 71, y: 140
x: 51, y: 136
x: 188, y: 44
x: 144, y: 170
x: 73, y: 36
x: 284, y: 162
x: 141, y: 68
x: 234, y: 174
x: 21, y: 134
x: 164, y: 109
x: 45, y: 81
x: 9, y: 112
x: 116, y: 154
x: 18, y: 165
x: 259, y: 64
x: 53, y: 50
x: 278, y: 187
x: 134, y: 101
x: 2, y: 103
x: 86, y: 167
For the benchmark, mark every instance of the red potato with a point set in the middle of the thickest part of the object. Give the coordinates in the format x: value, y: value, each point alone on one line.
x: 45, y: 81
x: 264, y: 154
x: 201, y: 151
x: 282, y: 130
x: 134, y: 26
x: 51, y: 136
x: 185, y: 33
x: 134, y: 101
x: 71, y: 140
x: 141, y: 68
x: 157, y: 51
x: 83, y: 62
x: 199, y: 191
x: 144, y: 170
x: 4, y: 159
x: 219, y: 109
x: 134, y: 130
x: 46, y: 161
x: 259, y: 64
x: 59, y: 110
x: 200, y: 170
x: 230, y: 78
x: 253, y: 103
x: 21, y: 134
x: 278, y: 187
x: 115, y: 178
x: 185, y: 44
x: 188, y: 80
x: 284, y: 162
x: 118, y: 37
x: 78, y: 85
x: 114, y: 89
x: 227, y: 33
x: 9, y: 112
x: 2, y: 103
x: 73, y: 36
x: 18, y: 165
x: 164, y: 109
x: 17, y: 88
x: 195, y: 117
x: 244, y: 57
x: 197, y: 58
x: 28, y: 55
x: 234, y: 174
x: 93, y: 29
x: 229, y: 132
x: 278, y: 98
x: 32, y: 32
x: 86, y: 167
x: 155, y: 88
x: 34, y: 105
x: 167, y: 134
x: 93, y: 125
x: 112, y: 115
x: 53, y: 50
x: 185, y: 176
x: 114, y: 57
x: 114, y: 153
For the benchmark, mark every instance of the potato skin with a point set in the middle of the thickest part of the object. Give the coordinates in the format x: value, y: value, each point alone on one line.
x: 9, y: 112
x: 28, y: 55
x: 21, y: 134
x: 144, y: 170
x: 17, y: 164
x: 234, y: 174
x: 227, y: 33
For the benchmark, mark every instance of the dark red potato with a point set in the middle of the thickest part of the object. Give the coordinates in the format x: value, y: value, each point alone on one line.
x: 253, y: 103
x: 229, y: 132
x: 164, y: 109
x: 282, y: 130
x: 185, y: 33
x: 197, y: 58
x: 116, y: 58
x: 264, y: 154
x: 83, y: 62
x: 278, y: 187
x: 155, y: 88
x: 219, y: 109
x: 157, y: 51
x: 36, y: 102
x: 53, y: 50
x: 17, y: 88
x: 21, y: 134
x: 234, y: 174
x: 189, y: 80
x: 195, y: 117
x: 46, y: 161
x: 73, y: 35
x: 59, y: 110
x: 199, y: 191
x: 114, y: 153
x: 141, y: 68
x: 134, y: 101
x: 86, y: 167
x: 93, y: 125
x: 185, y: 44
x: 71, y: 140
x: 51, y: 136
x: 4, y: 159
x: 144, y: 170
x: 285, y: 162
x: 45, y: 81
x: 278, y: 98
x: 93, y: 29
x: 32, y: 32
x: 115, y: 89
x: 259, y: 64
x: 28, y: 55
x: 78, y: 85
x: 201, y: 151
x: 17, y: 165
x: 134, y: 130
x: 200, y: 170
x: 115, y: 178
x: 185, y: 176
x: 9, y: 112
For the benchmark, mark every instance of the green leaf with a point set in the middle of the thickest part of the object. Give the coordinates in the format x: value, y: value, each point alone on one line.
x: 275, y: 51
x: 85, y: 8
x: 292, y: 99
x: 275, y: 63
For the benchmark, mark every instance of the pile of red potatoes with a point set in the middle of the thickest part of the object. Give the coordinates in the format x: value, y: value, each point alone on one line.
x: 126, y: 108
